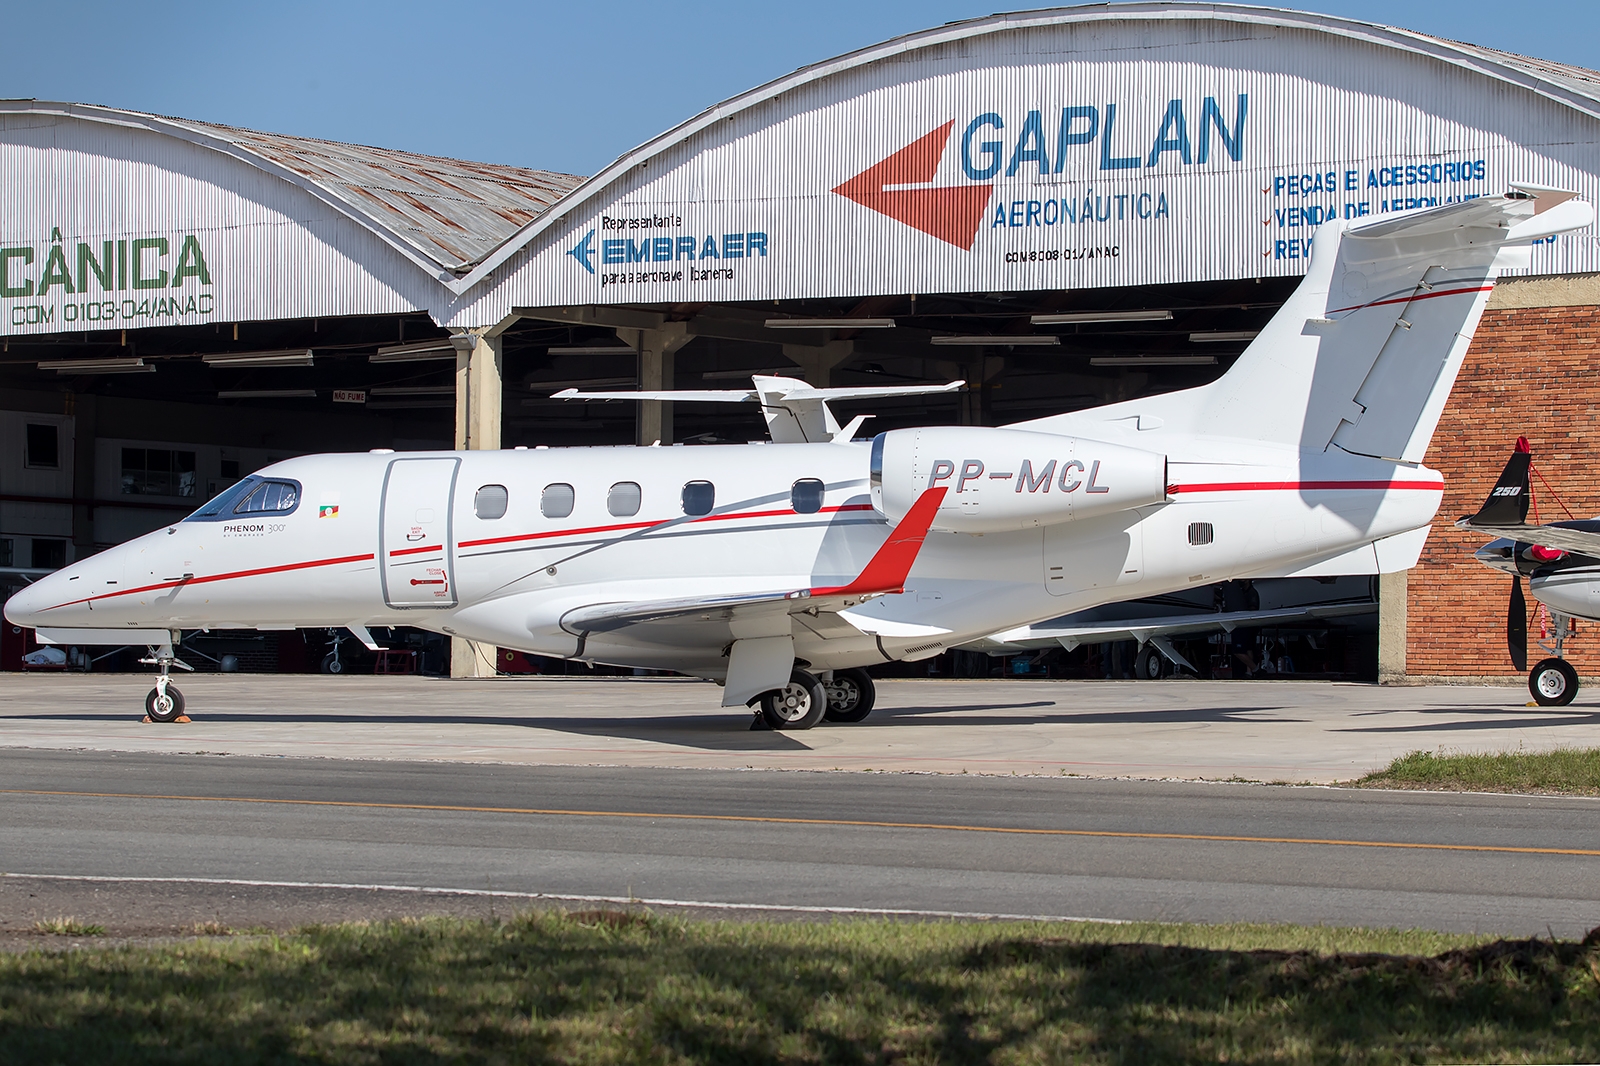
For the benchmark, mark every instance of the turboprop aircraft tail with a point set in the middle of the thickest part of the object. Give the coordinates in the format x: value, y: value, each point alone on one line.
x: 1362, y: 357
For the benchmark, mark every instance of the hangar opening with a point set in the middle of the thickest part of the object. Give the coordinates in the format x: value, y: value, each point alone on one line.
x: 1062, y: 208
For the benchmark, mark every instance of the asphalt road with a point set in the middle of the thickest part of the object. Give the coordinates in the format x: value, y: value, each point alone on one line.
x: 797, y: 843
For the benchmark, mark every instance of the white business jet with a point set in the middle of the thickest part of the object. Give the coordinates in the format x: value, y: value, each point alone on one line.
x: 1561, y: 561
x: 780, y: 570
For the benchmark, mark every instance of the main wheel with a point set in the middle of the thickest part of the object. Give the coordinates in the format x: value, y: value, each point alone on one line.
x: 1149, y: 665
x: 798, y: 705
x: 851, y: 695
x: 331, y: 664
x: 1553, y: 683
x: 164, y: 708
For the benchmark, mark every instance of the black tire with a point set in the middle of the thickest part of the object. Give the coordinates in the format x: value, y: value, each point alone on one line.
x: 798, y: 705
x: 1149, y: 665
x: 331, y: 664
x: 1553, y: 683
x: 164, y: 711
x: 851, y: 695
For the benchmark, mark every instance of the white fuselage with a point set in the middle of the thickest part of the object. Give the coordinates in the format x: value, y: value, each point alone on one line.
x: 382, y: 539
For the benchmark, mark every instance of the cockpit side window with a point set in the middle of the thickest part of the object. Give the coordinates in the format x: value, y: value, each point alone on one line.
x: 271, y: 497
x: 222, y: 504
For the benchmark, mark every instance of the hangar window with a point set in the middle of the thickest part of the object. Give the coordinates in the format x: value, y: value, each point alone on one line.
x: 1200, y: 533
x: 157, y: 472
x: 624, y: 498
x: 271, y: 497
x: 806, y: 496
x: 699, y: 497
x: 5, y: 551
x: 44, y: 449
x: 556, y: 500
x: 49, y: 554
x: 490, y: 502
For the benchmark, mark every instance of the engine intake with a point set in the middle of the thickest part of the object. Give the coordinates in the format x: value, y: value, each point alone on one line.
x: 1005, y: 479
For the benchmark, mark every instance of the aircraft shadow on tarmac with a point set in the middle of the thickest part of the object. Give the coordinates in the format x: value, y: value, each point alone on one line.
x: 1470, y: 718
x: 1140, y: 716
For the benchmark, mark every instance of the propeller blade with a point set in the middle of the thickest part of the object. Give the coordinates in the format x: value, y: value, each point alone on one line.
x: 1517, y: 625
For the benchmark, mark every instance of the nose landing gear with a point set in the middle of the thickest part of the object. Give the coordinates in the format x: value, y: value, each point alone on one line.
x: 1553, y: 682
x: 164, y: 703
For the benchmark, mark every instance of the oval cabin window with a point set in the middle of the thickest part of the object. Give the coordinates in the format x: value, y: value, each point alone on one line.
x: 556, y: 500
x: 490, y: 502
x: 623, y: 499
x: 699, y: 497
x: 806, y: 496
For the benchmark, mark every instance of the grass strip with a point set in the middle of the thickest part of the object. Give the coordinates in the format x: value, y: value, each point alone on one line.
x: 613, y: 987
x: 1565, y: 771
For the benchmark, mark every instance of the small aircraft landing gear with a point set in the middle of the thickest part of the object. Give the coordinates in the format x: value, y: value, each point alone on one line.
x: 851, y: 695
x: 1553, y: 682
x: 1149, y: 665
x: 164, y: 703
x: 798, y: 705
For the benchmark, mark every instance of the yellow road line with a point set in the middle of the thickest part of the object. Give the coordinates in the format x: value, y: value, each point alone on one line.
x: 773, y: 820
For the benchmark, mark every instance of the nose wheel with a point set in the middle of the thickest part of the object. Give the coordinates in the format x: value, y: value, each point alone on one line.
x: 164, y: 703
x: 1553, y: 682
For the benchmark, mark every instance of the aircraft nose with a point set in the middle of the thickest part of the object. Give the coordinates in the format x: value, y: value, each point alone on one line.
x: 24, y: 607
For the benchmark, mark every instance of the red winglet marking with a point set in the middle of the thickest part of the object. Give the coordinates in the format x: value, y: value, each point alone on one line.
x: 888, y: 569
x: 1522, y: 445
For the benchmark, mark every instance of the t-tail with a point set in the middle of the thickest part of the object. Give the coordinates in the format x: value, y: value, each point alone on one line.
x: 1362, y: 357
x: 1507, y: 503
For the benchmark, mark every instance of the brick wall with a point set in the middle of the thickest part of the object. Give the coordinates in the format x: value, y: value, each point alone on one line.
x: 1530, y: 371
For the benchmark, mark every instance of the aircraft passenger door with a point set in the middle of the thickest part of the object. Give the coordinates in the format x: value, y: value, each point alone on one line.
x: 416, y: 555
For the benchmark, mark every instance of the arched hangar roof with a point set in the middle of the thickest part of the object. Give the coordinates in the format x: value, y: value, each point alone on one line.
x: 447, y: 214
x: 1574, y: 87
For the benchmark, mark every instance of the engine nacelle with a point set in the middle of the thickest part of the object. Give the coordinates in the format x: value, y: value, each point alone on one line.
x: 1003, y: 479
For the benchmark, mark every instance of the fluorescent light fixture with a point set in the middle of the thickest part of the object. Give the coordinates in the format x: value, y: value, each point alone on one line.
x: 437, y: 350
x: 734, y: 375
x: 1153, y: 360
x: 127, y: 364
x: 589, y: 349
x: 578, y: 383
x: 417, y: 403
x: 830, y: 323
x: 1030, y: 340
x: 1223, y: 336
x: 412, y: 390
x: 1072, y: 318
x: 267, y: 394
x: 288, y: 357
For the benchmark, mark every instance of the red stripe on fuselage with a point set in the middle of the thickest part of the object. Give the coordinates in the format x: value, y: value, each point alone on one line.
x: 414, y: 551
x: 220, y: 577
x: 1294, y: 486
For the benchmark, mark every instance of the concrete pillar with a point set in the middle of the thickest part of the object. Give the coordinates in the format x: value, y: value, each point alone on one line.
x: 1391, y: 627
x: 478, y: 407
x: 816, y: 363
x: 658, y: 349
x: 83, y: 410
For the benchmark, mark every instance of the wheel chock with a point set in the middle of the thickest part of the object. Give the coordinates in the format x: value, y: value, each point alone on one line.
x: 148, y: 720
x: 182, y: 719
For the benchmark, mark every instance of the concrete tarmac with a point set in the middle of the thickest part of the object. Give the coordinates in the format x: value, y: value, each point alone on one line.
x: 228, y: 838
x: 1264, y: 731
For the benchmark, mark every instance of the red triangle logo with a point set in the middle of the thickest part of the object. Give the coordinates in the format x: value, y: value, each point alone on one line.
x: 951, y: 213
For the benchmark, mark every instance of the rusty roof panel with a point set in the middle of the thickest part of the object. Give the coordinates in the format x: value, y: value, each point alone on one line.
x: 452, y: 211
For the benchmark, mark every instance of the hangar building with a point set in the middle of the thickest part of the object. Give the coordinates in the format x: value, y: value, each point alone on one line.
x: 1064, y: 207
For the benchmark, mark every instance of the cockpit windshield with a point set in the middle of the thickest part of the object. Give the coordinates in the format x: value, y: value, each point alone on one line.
x: 223, y: 502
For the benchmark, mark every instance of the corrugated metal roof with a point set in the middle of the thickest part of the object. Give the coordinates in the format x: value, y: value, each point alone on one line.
x: 452, y: 211
x: 447, y: 213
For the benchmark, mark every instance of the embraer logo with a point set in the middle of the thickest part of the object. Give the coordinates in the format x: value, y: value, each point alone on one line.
x: 951, y: 213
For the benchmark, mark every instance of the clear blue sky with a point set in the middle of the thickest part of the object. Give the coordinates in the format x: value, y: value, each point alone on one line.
x: 565, y: 86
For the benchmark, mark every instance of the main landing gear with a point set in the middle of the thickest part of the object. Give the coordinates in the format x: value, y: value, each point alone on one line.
x: 846, y: 696
x: 1552, y: 681
x: 164, y: 702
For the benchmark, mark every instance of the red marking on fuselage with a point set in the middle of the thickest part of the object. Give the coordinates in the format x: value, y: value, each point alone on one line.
x: 233, y: 575
x: 586, y: 530
x: 1310, y: 486
x: 414, y: 551
x: 1410, y: 299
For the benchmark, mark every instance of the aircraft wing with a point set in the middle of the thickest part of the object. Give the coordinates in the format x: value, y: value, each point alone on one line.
x: 681, y: 618
x: 1164, y: 627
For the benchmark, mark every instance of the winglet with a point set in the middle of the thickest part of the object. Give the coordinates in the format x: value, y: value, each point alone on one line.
x: 1507, y: 504
x: 887, y: 571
